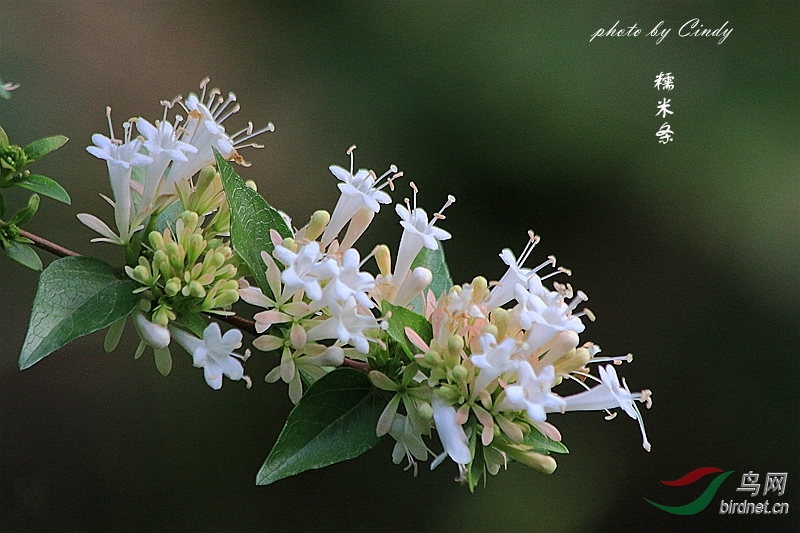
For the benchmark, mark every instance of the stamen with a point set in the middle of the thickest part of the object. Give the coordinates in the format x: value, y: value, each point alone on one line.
x: 587, y: 313
x: 580, y: 297
x: 559, y: 270
x: 234, y: 109
x: 414, y: 188
x: 203, y: 84
x: 617, y: 360
x: 533, y: 240
x: 110, y: 125
x: 350, y: 153
x: 250, y: 134
x: 213, y: 102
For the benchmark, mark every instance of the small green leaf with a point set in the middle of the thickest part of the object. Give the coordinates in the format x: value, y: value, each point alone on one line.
x: 194, y: 322
x: 163, y: 361
x: 37, y: 149
x: 252, y: 218
x: 542, y: 443
x: 114, y: 334
x: 402, y: 318
x: 76, y: 296
x: 46, y: 186
x: 434, y: 261
x: 23, y: 254
x: 2, y: 205
x: 334, y: 421
x: 3, y: 138
x: 168, y: 217
x: 24, y: 215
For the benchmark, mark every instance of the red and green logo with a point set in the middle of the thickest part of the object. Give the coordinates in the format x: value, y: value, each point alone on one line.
x: 704, y: 499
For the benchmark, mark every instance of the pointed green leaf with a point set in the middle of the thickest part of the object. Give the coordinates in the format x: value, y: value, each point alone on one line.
x: 44, y: 185
x: 163, y: 360
x: 334, y: 421
x: 113, y: 335
x: 37, y: 149
x: 76, y: 296
x: 168, y: 217
x: 194, y: 322
x: 542, y: 443
x: 23, y: 254
x: 252, y: 218
x: 402, y: 318
x: 24, y: 215
x: 434, y: 261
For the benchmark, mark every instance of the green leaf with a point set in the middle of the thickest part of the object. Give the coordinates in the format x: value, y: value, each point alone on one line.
x: 24, y: 215
x: 194, y: 322
x: 168, y: 217
x: 46, y: 186
x: 23, y: 254
x: 252, y: 218
x: 163, y: 361
x: 2, y: 205
x: 113, y: 335
x: 401, y: 319
x: 542, y: 443
x: 3, y: 138
x: 434, y: 261
x: 76, y: 296
x: 334, y: 421
x: 37, y: 149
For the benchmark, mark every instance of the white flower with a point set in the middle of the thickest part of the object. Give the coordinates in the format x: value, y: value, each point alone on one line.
x: 153, y: 334
x: 409, y: 442
x: 360, y: 192
x: 162, y: 144
x: 417, y: 232
x: 345, y: 324
x: 451, y: 433
x: 504, y: 291
x: 204, y: 131
x: 213, y: 352
x: 120, y: 156
x: 494, y: 360
x: 347, y: 281
x: 532, y: 393
x: 609, y: 395
x: 305, y: 269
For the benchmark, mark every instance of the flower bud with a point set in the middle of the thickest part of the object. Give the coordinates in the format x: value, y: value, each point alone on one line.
x: 432, y: 358
x: 204, y: 179
x: 460, y: 373
x: 172, y: 287
x: 449, y: 394
x: 319, y: 220
x: 156, y: 240
x: 384, y: 259
x: 455, y: 344
x: 424, y: 409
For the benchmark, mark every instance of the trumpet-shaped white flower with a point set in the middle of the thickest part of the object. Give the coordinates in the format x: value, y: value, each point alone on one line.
x: 345, y: 324
x: 417, y: 232
x: 305, y: 269
x: 451, y: 433
x: 204, y: 131
x: 347, y: 281
x: 494, y: 360
x: 163, y: 146
x: 120, y: 156
x: 610, y: 395
x: 153, y: 334
x: 516, y: 274
x: 361, y: 193
x: 214, y: 352
x: 532, y: 393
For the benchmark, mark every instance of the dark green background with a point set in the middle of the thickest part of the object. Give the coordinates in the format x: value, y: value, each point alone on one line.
x: 689, y: 252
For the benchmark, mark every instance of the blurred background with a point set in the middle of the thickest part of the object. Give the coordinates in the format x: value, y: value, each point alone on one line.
x: 688, y: 251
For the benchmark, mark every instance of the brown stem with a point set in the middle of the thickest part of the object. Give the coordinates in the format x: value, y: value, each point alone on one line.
x: 48, y: 246
x: 236, y: 321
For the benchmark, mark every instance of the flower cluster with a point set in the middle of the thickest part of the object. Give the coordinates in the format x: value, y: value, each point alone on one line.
x: 478, y: 362
x: 484, y: 377
x: 173, y: 220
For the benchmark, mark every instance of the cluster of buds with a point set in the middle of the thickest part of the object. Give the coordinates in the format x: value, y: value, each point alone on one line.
x: 187, y: 272
x: 188, y: 267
